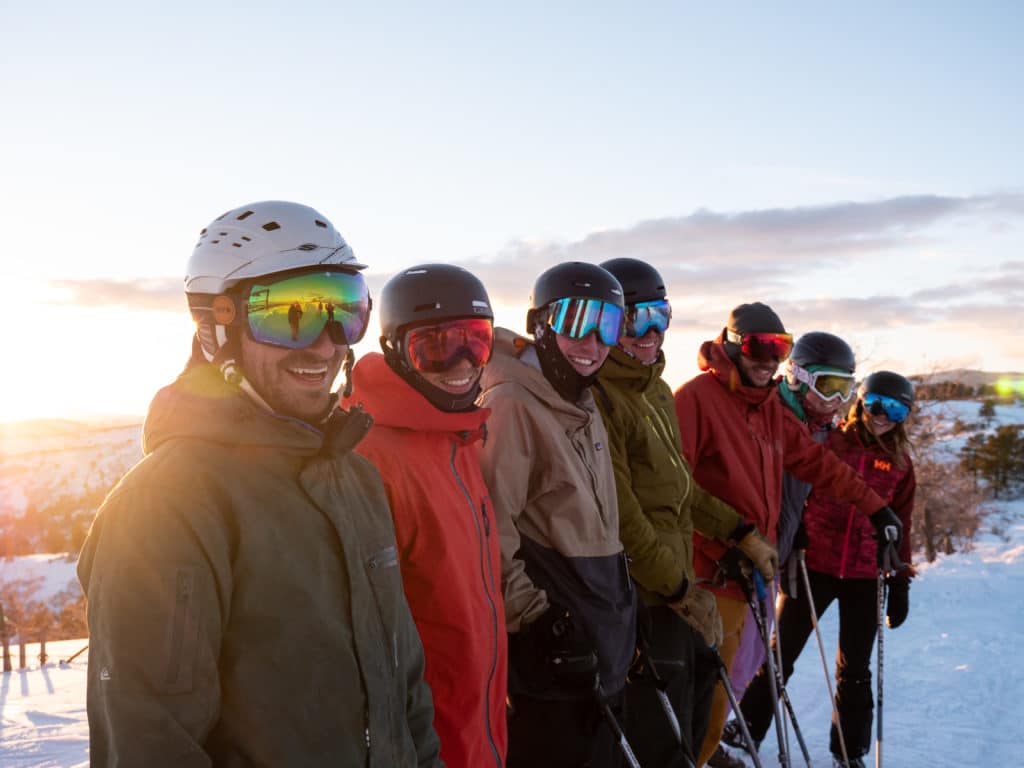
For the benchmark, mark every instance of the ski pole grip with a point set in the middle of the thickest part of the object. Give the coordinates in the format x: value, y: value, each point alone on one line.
x: 762, y: 593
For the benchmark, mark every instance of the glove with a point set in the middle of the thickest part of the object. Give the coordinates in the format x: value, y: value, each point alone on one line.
x: 899, y: 600
x: 699, y: 609
x: 761, y: 553
x: 888, y: 529
x: 557, y: 646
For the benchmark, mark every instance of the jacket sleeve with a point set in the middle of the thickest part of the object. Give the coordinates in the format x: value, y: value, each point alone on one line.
x: 815, y: 464
x: 419, y: 704
x: 157, y: 581
x: 651, y: 537
x: 687, y: 413
x: 506, y: 462
x: 903, y: 505
x: 712, y: 517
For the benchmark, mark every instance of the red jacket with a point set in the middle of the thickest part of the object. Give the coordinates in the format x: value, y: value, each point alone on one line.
x: 842, y: 543
x: 449, y: 556
x: 738, y: 439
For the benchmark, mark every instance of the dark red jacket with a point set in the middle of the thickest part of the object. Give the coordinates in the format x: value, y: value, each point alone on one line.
x: 738, y: 439
x: 449, y: 556
x: 842, y: 543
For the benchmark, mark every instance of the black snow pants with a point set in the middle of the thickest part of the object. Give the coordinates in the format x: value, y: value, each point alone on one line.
x: 688, y: 673
x: 857, y: 629
x: 564, y: 733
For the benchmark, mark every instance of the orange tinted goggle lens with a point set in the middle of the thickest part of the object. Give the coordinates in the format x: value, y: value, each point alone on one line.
x: 436, y: 348
x: 767, y: 346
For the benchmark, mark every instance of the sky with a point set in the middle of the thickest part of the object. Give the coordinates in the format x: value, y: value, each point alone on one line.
x: 858, y: 168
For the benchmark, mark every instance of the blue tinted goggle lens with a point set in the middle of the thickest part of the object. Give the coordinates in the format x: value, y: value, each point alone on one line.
x: 894, y: 410
x: 294, y: 311
x: 642, y: 317
x: 578, y: 318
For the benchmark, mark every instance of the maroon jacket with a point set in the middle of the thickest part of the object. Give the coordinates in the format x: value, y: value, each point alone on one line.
x: 738, y: 439
x: 842, y: 543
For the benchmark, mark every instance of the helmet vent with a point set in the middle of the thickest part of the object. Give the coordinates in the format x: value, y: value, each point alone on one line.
x: 245, y: 215
x: 203, y: 233
x: 307, y: 247
x: 247, y: 238
x: 270, y: 226
x: 320, y: 223
x: 421, y: 307
x: 237, y: 245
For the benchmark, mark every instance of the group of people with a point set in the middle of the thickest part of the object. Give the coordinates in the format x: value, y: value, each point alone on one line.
x: 487, y: 549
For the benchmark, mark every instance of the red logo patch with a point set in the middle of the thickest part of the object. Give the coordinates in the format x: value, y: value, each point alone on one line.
x: 883, y: 465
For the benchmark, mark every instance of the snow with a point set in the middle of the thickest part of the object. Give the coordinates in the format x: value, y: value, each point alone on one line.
x: 55, y: 572
x: 953, y: 678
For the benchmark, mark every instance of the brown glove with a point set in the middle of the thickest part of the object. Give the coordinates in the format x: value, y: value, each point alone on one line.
x: 700, y: 610
x: 761, y: 553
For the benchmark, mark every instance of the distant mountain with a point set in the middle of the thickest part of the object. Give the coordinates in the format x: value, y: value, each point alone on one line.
x: 967, y: 376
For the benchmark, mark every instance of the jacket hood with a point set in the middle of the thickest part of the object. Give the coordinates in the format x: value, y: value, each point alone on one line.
x: 506, y: 366
x: 627, y: 372
x: 713, y: 359
x: 200, y: 404
x: 393, y: 402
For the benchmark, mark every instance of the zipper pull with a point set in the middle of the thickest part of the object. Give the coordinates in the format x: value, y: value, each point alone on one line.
x: 487, y: 520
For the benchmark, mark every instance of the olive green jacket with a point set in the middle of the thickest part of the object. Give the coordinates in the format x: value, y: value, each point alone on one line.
x: 659, y: 502
x: 245, y: 601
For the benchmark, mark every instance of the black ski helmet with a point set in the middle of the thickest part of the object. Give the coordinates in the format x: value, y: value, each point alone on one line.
x: 640, y: 281
x: 888, y: 384
x: 573, y: 280
x: 424, y: 294
x: 430, y: 292
x: 824, y: 349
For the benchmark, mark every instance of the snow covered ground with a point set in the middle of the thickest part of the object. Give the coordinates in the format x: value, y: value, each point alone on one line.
x: 953, y: 676
x: 954, y: 679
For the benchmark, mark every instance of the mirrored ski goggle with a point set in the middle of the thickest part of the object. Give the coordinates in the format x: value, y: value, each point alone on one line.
x: 292, y: 312
x: 763, y: 346
x: 894, y: 410
x: 436, y: 348
x: 828, y: 385
x: 642, y: 317
x: 578, y: 318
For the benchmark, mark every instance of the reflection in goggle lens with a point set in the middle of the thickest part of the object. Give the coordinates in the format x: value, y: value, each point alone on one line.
x: 640, y: 318
x: 436, y: 348
x: 578, y: 318
x: 828, y: 385
x: 894, y: 410
x: 294, y: 311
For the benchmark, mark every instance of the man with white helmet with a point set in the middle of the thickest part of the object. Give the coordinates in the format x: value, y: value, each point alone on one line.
x: 245, y: 604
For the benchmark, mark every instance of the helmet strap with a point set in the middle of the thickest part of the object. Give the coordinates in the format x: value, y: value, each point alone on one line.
x: 556, y: 367
x: 350, y: 359
x: 437, y: 397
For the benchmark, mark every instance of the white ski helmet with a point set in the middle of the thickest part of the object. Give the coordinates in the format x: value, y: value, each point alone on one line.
x: 252, y: 241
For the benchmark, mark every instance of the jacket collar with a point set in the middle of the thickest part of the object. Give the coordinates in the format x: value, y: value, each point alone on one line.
x: 714, y: 359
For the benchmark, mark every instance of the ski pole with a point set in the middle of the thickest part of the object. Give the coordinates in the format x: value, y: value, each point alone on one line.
x: 890, y: 564
x: 609, y: 718
x: 821, y: 651
x: 723, y: 676
x: 781, y: 686
x: 75, y: 655
x: 754, y: 601
x: 666, y: 706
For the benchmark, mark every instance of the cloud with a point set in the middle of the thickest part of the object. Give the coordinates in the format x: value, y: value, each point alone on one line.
x: 723, y: 251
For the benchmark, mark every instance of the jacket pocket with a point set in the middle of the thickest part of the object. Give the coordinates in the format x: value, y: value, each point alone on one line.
x: 386, y: 581
x: 183, y: 637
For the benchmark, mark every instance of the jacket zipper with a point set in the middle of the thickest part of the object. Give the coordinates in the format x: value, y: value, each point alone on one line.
x: 182, y: 606
x: 485, y: 556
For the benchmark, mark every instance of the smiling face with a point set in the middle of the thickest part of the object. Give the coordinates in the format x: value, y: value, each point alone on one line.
x: 820, y: 410
x: 757, y: 373
x: 876, y: 424
x: 585, y: 355
x: 457, y: 380
x: 644, y: 348
x: 294, y: 382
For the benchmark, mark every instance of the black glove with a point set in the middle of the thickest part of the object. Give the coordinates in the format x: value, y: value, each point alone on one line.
x: 556, y: 647
x: 888, y: 530
x: 899, y: 600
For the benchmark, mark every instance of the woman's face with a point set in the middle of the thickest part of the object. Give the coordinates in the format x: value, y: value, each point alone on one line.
x: 585, y: 355
x: 876, y: 424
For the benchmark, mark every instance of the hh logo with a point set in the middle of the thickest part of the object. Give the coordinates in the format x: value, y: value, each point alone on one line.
x: 883, y: 465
